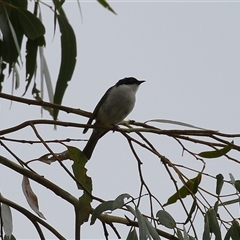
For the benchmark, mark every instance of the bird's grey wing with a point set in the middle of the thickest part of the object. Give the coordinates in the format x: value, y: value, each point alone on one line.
x: 94, y: 114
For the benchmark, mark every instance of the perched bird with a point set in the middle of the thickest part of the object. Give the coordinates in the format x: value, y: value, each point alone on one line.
x: 113, y: 107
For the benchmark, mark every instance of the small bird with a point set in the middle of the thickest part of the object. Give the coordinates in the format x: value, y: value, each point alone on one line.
x: 113, y: 107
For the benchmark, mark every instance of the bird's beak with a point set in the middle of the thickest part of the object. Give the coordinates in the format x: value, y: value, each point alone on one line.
x: 141, y: 81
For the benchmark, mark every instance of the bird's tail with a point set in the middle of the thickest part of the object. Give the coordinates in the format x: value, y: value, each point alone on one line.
x: 92, y: 142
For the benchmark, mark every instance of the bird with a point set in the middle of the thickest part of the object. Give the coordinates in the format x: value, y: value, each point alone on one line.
x: 117, y: 102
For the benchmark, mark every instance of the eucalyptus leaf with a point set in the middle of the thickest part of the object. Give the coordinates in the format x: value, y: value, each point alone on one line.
x: 166, y: 219
x: 217, y: 153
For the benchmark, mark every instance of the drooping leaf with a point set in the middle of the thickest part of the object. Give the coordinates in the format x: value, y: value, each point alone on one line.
x: 165, y: 219
x: 206, y: 232
x: 185, y: 234
x: 119, y: 201
x: 143, y: 230
x: 232, y: 178
x: 31, y: 60
x: 191, y: 186
x: 213, y: 223
x: 152, y: 231
x: 31, y: 196
x: 103, y: 207
x: 175, y: 123
x: 68, y: 60
x: 79, y: 170
x: 179, y: 234
x: 32, y: 26
x: 84, y: 208
x: 237, y: 200
x: 109, y: 206
x: 106, y: 5
x: 219, y: 185
x: 216, y: 206
x: 6, y: 216
x: 191, y: 211
x: 132, y: 235
x: 217, y: 153
x: 237, y: 185
x: 9, y: 238
x: 235, y: 230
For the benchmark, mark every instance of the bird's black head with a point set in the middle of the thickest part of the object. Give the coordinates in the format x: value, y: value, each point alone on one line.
x: 129, y: 81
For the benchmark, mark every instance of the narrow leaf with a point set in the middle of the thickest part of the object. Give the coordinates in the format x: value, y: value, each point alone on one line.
x: 232, y: 178
x: 68, y: 60
x: 235, y: 230
x: 119, y: 201
x: 166, y: 219
x: 191, y: 186
x: 191, y: 211
x: 229, y: 202
x: 132, y: 235
x: 206, y: 232
x: 31, y: 196
x: 84, y: 208
x: 103, y: 207
x: 237, y: 185
x: 79, y: 170
x: 213, y: 223
x: 152, y: 231
x: 185, y: 235
x: 143, y: 231
x: 106, y: 5
x: 219, y: 178
x: 179, y: 234
x: 32, y: 26
x: 217, y: 153
x: 175, y: 123
x: 7, y: 220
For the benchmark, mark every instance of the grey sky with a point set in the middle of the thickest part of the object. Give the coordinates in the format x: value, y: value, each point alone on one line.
x: 189, y: 55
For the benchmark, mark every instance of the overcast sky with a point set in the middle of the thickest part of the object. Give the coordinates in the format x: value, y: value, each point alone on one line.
x: 189, y: 55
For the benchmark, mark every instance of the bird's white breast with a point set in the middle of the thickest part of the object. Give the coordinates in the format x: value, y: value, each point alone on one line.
x: 118, y: 104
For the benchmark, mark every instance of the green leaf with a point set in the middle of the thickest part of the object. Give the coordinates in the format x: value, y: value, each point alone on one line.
x: 235, y: 230
x: 191, y: 211
x: 9, y: 238
x: 109, y: 206
x: 79, y: 170
x: 219, y: 178
x: 191, y: 184
x: 143, y: 231
x: 68, y: 60
x: 84, y: 209
x: 216, y: 206
x: 213, y: 223
x: 152, y: 231
x: 166, y: 219
x: 206, y: 232
x: 185, y: 235
x: 103, y: 207
x: 216, y: 154
x: 132, y: 235
x: 32, y: 26
x: 31, y: 60
x: 106, y: 5
x: 229, y: 202
x: 119, y: 201
x: 237, y: 185
x: 175, y: 123
x: 179, y: 234
x: 228, y: 234
x: 12, y: 33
